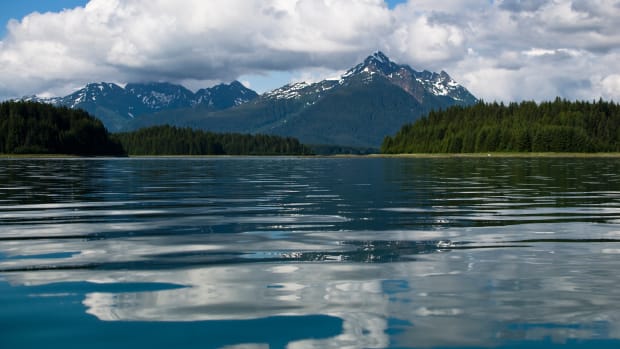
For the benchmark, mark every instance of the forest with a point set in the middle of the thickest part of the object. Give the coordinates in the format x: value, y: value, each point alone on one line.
x: 171, y: 140
x: 38, y: 128
x: 555, y: 126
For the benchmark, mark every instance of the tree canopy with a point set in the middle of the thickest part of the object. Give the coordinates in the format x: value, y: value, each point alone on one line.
x: 557, y: 126
x: 171, y: 140
x: 39, y: 128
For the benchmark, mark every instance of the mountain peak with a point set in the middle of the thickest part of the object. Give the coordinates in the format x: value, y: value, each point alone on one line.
x: 115, y: 105
x: 378, y: 57
x: 237, y: 84
x: 225, y: 96
x: 378, y: 62
x: 379, y: 66
x: 101, y: 86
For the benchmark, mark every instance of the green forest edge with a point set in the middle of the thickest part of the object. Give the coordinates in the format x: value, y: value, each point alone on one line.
x: 42, y: 129
x: 516, y: 129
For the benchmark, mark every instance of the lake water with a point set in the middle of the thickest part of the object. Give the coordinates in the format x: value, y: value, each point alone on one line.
x: 309, y: 253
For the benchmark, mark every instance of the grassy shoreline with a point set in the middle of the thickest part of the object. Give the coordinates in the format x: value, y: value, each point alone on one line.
x: 502, y: 155
x: 404, y: 156
x: 39, y: 156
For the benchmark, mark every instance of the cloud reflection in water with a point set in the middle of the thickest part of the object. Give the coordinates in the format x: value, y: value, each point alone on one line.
x: 355, y: 240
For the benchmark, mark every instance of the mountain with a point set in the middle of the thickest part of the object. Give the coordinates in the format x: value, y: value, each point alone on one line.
x: 370, y: 101
x: 156, y: 96
x: 117, y: 107
x: 224, y: 96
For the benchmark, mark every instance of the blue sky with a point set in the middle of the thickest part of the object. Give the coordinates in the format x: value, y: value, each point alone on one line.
x: 17, y: 9
x: 507, y: 50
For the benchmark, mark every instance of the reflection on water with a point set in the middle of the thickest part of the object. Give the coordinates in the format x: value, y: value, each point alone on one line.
x: 309, y: 253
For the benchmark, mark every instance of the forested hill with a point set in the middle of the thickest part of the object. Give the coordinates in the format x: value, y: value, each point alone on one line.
x: 558, y: 126
x: 37, y: 128
x: 170, y: 140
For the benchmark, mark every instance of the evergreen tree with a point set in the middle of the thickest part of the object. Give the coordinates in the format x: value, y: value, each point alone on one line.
x: 558, y: 126
x: 170, y: 140
x: 38, y: 128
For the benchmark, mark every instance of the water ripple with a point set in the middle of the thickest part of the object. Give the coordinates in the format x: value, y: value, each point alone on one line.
x: 494, y: 247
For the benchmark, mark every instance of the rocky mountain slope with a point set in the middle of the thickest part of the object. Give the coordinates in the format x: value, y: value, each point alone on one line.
x: 118, y: 106
x: 370, y: 101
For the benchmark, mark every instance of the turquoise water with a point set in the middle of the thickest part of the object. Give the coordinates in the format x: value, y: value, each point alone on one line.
x: 309, y: 253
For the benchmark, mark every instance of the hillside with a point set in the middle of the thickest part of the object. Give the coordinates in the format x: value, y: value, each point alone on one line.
x: 38, y: 128
x: 558, y: 126
x: 118, y: 107
x: 170, y: 140
x: 371, y: 100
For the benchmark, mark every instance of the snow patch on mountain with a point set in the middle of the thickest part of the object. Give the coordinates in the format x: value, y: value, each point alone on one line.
x: 379, y: 65
x: 289, y: 91
x: 136, y: 99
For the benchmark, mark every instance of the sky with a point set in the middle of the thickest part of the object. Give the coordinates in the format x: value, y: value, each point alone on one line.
x: 501, y: 50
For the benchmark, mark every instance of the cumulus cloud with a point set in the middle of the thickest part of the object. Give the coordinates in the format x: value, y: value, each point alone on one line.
x: 610, y: 86
x: 536, y: 49
x: 500, y: 50
x: 425, y: 42
x: 132, y: 40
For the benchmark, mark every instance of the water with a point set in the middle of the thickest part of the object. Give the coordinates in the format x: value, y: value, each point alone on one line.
x: 309, y: 253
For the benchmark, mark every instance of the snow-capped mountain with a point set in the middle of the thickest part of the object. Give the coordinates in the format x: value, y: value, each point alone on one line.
x: 413, y: 82
x: 156, y: 96
x: 370, y: 101
x: 224, y: 96
x: 373, y: 99
x: 116, y: 106
x: 90, y: 93
x: 420, y: 85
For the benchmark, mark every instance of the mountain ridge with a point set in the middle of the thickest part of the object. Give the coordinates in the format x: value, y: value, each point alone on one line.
x: 370, y: 101
x: 116, y: 106
x: 367, y: 103
x: 441, y: 84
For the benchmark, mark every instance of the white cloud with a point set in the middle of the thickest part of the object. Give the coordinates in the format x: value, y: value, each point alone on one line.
x: 188, y: 39
x: 428, y: 44
x: 611, y: 86
x: 508, y: 50
x: 536, y: 52
x: 535, y: 49
x: 315, y: 75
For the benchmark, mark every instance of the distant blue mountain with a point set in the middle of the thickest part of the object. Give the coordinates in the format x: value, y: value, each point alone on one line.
x: 117, y: 107
x: 370, y: 101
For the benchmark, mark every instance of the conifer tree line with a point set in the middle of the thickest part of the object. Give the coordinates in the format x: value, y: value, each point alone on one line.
x: 38, y: 128
x: 170, y: 140
x: 557, y: 126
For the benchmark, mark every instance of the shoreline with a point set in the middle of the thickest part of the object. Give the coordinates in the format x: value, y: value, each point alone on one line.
x: 335, y: 156
x: 500, y: 155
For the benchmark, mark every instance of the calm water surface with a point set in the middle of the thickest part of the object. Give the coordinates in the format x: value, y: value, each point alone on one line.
x: 309, y: 253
